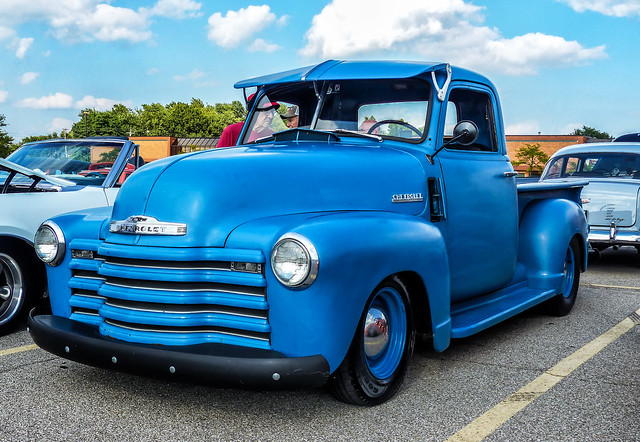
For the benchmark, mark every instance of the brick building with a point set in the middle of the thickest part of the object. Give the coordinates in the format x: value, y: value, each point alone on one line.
x: 549, y: 144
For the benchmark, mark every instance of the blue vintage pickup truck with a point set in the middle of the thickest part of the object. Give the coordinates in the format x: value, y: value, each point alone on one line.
x: 315, y: 250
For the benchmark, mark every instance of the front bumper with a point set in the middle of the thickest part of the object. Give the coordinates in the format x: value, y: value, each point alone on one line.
x: 218, y: 364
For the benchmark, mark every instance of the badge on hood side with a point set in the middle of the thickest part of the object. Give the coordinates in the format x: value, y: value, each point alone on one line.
x: 147, y: 225
x: 407, y: 198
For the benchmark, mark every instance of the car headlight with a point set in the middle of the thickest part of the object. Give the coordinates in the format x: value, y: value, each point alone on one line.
x: 294, y: 261
x: 49, y: 243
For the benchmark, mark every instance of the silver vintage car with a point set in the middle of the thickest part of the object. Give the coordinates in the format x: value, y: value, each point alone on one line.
x: 41, y: 180
x: 611, y: 199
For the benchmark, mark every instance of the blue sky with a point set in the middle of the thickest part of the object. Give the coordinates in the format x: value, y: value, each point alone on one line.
x: 558, y: 64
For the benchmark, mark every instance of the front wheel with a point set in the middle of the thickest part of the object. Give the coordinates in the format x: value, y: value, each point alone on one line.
x: 380, y: 353
x: 562, y: 303
x: 15, y: 290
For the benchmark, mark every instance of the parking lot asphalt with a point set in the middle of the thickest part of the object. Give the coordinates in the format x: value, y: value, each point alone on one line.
x: 460, y: 394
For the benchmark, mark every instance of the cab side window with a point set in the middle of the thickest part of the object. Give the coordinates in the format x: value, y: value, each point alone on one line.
x: 465, y: 104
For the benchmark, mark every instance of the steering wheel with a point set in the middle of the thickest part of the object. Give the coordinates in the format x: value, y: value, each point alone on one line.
x: 399, y: 122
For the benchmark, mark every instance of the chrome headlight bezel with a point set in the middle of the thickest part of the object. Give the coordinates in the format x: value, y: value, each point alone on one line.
x: 58, y: 245
x: 304, y: 277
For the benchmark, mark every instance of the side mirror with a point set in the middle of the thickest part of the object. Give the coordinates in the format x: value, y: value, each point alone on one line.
x: 465, y: 133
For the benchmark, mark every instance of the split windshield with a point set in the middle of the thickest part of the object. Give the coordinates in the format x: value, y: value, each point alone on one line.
x: 394, y: 109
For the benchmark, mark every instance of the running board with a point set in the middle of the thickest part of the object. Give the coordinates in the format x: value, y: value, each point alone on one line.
x: 472, y: 316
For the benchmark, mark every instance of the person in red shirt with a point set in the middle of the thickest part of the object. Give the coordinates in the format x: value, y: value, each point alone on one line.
x: 231, y: 133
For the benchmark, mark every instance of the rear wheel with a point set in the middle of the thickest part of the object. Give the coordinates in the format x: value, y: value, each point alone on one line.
x: 380, y: 353
x: 16, y: 292
x: 562, y: 303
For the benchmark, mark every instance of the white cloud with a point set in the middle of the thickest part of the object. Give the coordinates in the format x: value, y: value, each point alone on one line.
x: 6, y: 32
x: 28, y: 77
x: 3, y: 96
x: 153, y: 71
x: 177, y: 9
x: 99, y: 104
x: 616, y: 8
x: 195, y: 74
x: 240, y: 26
x: 102, y: 22
x: 448, y: 30
x: 87, y: 20
x: 23, y: 46
x: 523, y: 128
x: 259, y: 45
x: 54, y: 101
x: 59, y: 124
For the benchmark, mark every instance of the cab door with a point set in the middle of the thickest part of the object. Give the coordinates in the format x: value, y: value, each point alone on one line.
x: 480, y: 197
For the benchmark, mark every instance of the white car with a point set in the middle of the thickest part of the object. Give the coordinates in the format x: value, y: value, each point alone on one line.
x: 41, y: 180
x: 611, y: 200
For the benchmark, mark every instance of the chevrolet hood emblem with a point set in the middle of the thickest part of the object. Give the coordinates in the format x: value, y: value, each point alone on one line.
x: 147, y: 225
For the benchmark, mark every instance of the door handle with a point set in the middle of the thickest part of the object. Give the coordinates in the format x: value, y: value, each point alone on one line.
x: 510, y: 174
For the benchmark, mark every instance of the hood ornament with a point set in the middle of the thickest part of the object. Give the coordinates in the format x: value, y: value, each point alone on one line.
x: 147, y: 225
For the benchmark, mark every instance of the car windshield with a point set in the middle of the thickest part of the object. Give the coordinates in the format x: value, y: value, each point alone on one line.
x: 83, y: 162
x: 394, y: 109
x: 596, y: 165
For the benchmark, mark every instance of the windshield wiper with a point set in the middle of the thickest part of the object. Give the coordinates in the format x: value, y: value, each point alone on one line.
x: 358, y: 134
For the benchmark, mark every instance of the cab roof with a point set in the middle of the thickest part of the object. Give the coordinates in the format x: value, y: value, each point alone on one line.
x: 359, y: 70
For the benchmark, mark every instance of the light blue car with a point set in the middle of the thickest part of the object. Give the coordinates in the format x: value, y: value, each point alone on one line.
x: 40, y: 180
x: 314, y: 254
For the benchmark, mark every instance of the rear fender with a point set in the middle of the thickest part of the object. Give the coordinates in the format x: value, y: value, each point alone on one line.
x: 546, y: 228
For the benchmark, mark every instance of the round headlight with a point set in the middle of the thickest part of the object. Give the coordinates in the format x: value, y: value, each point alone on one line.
x: 49, y: 243
x: 294, y: 261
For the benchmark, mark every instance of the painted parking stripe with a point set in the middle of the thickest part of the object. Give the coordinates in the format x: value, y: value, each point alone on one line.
x: 610, y: 286
x: 490, y: 421
x: 13, y: 350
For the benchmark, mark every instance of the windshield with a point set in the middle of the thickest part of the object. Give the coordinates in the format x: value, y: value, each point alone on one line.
x: 597, y: 165
x: 84, y: 162
x: 395, y: 109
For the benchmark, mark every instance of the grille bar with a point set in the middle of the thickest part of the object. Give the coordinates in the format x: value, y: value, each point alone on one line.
x: 187, y: 330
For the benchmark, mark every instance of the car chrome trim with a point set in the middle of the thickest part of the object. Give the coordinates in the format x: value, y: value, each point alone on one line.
x: 147, y: 225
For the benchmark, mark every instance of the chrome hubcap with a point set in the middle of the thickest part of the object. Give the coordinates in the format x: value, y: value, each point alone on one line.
x: 11, y: 288
x: 376, y: 333
x: 5, y: 292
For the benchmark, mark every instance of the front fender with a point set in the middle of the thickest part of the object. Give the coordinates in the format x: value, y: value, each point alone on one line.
x: 357, y: 250
x: 546, y: 228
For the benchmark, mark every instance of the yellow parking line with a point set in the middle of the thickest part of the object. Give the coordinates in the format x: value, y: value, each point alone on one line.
x: 490, y: 421
x: 10, y: 351
x: 611, y: 286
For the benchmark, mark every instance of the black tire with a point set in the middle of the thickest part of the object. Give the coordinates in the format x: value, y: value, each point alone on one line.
x: 18, y: 286
x: 378, y: 360
x: 562, y: 303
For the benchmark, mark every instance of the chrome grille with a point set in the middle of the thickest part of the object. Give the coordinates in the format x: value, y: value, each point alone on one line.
x: 172, y: 301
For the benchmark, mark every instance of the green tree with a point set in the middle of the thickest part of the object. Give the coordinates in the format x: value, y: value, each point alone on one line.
x: 6, y: 146
x: 532, y: 156
x: 591, y: 132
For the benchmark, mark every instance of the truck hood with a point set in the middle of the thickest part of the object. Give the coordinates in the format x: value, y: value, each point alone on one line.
x: 609, y: 201
x: 215, y: 191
